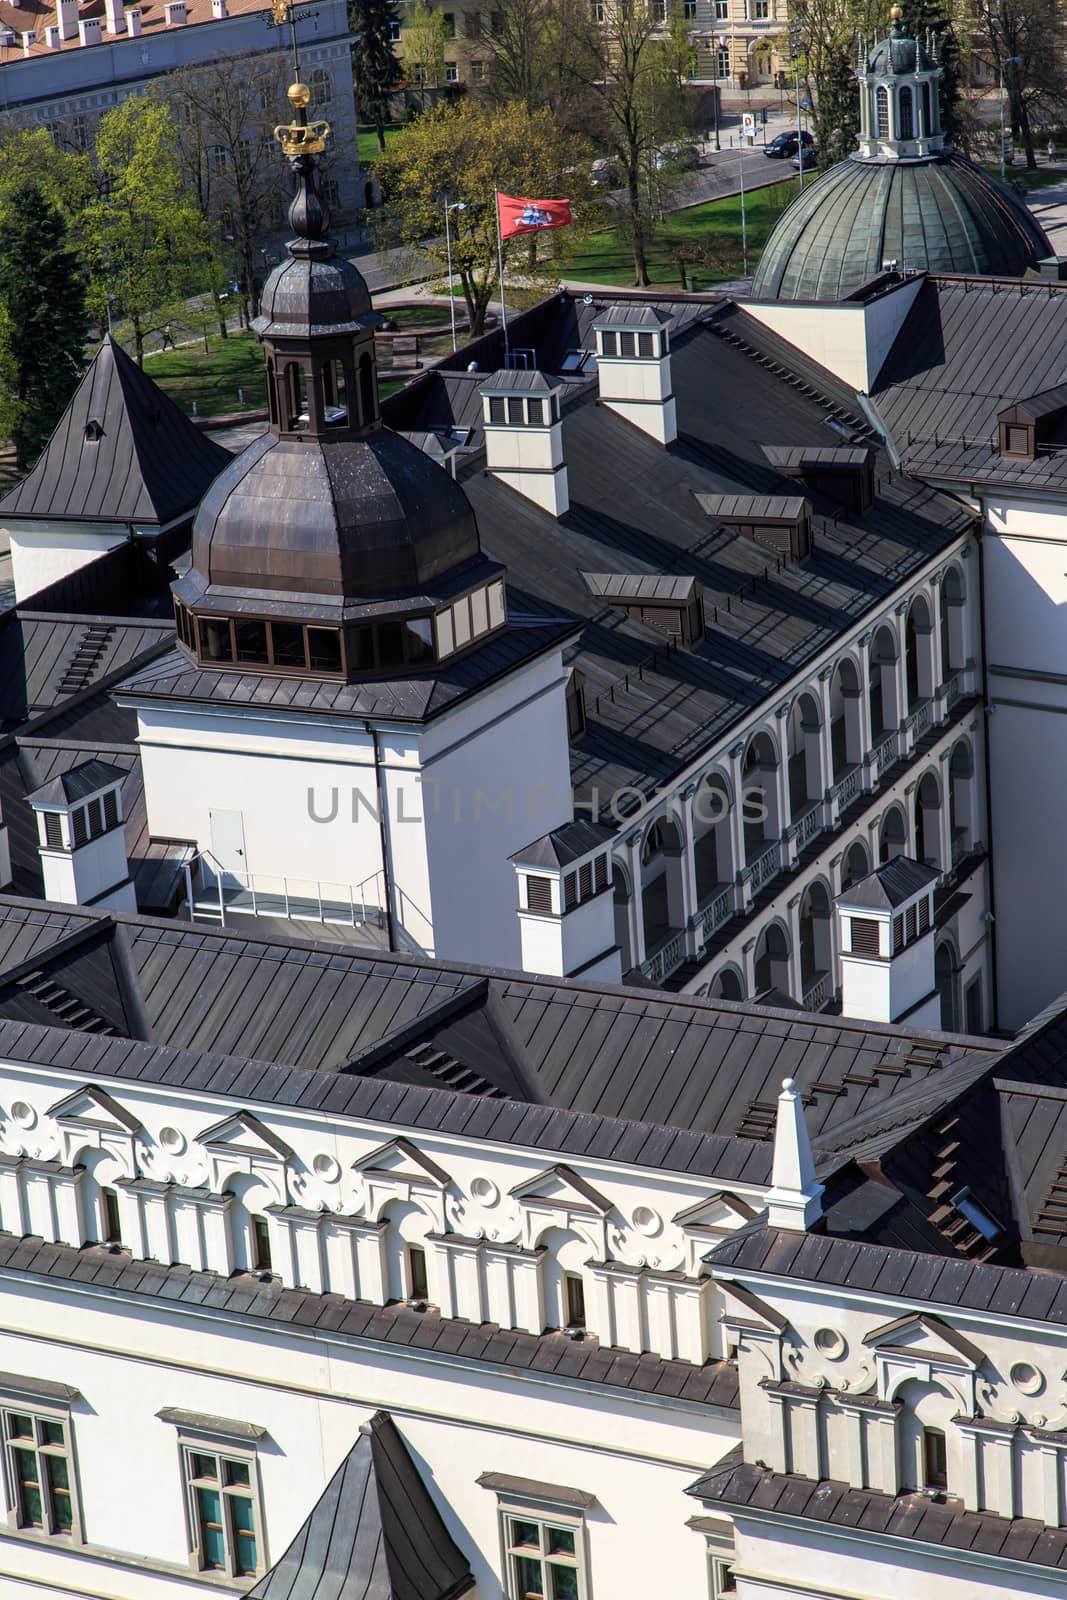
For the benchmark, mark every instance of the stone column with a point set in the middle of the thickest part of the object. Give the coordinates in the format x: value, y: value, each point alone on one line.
x: 457, y: 1277
x: 796, y: 980
x: 12, y: 1209
x: 737, y: 826
x: 214, y: 1212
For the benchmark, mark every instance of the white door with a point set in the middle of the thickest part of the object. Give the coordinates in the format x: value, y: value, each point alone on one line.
x: 228, y: 841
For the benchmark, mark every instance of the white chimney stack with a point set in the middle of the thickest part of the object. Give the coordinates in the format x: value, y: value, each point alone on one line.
x: 794, y: 1199
x: 81, y: 838
x: 53, y: 38
x: 116, y: 22
x: 133, y: 21
x: 67, y: 18
x: 524, y: 437
x: 174, y: 11
x: 218, y: 9
x: 29, y: 39
x: 634, y: 362
x: 886, y: 939
x: 90, y: 30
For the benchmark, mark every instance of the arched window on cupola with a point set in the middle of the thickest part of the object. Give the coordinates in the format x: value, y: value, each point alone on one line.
x: 881, y: 106
x: 927, y: 123
x: 907, y: 114
x: 272, y: 398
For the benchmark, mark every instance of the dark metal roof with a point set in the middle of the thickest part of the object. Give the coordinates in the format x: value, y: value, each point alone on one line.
x: 966, y: 351
x: 906, y: 1275
x: 121, y: 452
x: 631, y: 315
x: 308, y: 296
x: 786, y: 456
x: 77, y: 783
x: 517, y: 380
x: 564, y: 845
x: 753, y: 507
x: 547, y: 1354
x: 650, y: 709
x: 941, y: 214
x: 913, y: 1518
x: 48, y: 661
x: 891, y: 884
x: 373, y: 1534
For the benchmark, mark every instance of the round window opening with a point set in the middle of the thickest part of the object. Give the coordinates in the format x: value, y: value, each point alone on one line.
x: 828, y: 1342
x: 1027, y: 1378
x: 485, y: 1190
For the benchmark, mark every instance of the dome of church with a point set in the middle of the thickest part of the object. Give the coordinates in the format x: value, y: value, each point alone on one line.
x: 904, y: 197
x: 942, y: 214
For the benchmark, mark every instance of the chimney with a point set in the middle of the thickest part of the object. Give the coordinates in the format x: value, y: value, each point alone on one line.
x: 53, y: 38
x: 886, y: 939
x: 81, y: 838
x: 90, y: 30
x: 174, y: 11
x: 67, y: 18
x: 116, y: 23
x: 29, y: 39
x: 218, y: 10
x: 524, y: 437
x: 634, y: 362
x: 566, y: 907
x: 794, y: 1199
x: 133, y: 21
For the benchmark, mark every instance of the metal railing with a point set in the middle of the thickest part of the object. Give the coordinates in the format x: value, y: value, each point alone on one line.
x: 223, y: 890
x: 845, y: 789
x: 765, y: 866
x: 663, y: 961
x: 713, y: 916
x: 884, y: 754
x: 917, y: 721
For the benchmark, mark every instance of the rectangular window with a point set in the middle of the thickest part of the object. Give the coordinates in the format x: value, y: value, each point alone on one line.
x: 898, y: 933
x: 477, y: 71
x: 627, y: 344
x: 496, y: 603
x: 449, y: 20
x: 418, y: 1280
x: 609, y: 343
x: 446, y: 642
x: 646, y: 345
x: 288, y: 641
x: 461, y: 621
x: 259, y: 1243
x: 723, y: 1582
x: 37, y: 1465
x: 935, y: 1459
x: 543, y: 1558
x: 324, y: 649
x: 497, y: 409
x: 515, y: 409
x: 451, y: 72
x: 479, y: 612
x: 585, y: 880
x: 79, y: 826
x: 574, y: 1291
x: 601, y: 873
x: 222, y: 1508
x: 110, y: 1220
x: 924, y: 915
x: 251, y: 641
x: 215, y: 641
x: 53, y: 830
x: 111, y: 809
x: 570, y: 892
x: 864, y: 936
x: 418, y: 637
x: 95, y: 813
x: 912, y: 923
x: 1016, y: 441
x: 689, y: 10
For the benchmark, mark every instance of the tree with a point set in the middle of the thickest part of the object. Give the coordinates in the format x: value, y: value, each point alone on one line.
x: 43, y: 323
x: 466, y: 152
x: 936, y: 20
x: 30, y: 155
x: 374, y: 64
x: 635, y: 101
x: 826, y: 33
x: 225, y: 116
x: 146, y: 239
x: 835, y: 119
x: 1025, y: 40
x: 424, y: 47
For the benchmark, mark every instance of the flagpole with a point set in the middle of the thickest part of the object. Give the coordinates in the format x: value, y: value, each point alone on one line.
x: 500, y: 260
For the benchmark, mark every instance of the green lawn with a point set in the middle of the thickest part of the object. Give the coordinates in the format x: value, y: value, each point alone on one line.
x: 367, y: 139
x: 1040, y: 178
x: 605, y: 257
x: 412, y: 318
x: 213, y: 380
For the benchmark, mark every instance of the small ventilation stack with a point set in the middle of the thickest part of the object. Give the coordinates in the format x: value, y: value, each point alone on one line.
x: 524, y: 437
x: 886, y: 938
x: 633, y: 353
x: 566, y: 905
x: 844, y: 473
x: 81, y: 838
x: 67, y: 18
x: 779, y: 522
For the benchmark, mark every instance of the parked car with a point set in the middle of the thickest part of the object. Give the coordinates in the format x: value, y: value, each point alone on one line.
x: 785, y: 144
x: 806, y: 159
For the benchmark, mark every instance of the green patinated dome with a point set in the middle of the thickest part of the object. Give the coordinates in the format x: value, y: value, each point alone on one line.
x: 939, y: 213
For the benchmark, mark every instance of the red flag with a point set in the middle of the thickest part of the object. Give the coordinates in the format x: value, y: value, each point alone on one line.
x: 530, y: 216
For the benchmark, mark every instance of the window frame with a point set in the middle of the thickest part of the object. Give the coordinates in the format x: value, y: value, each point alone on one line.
x: 42, y: 1412
x: 191, y: 1444
x: 564, y: 1518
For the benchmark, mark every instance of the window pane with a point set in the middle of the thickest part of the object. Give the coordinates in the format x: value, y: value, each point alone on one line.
x: 288, y: 644
x: 445, y: 641
x: 215, y: 641
x: 361, y: 648
x: 560, y: 1541
x: 461, y: 621
x: 496, y: 603
x: 324, y: 649
x: 31, y: 1514
x: 530, y: 1582
x: 419, y: 635
x: 52, y: 1433
x: 390, y: 644
x: 212, y: 1535
x: 59, y: 1493
x: 526, y: 1533
x: 236, y: 1472
x: 18, y: 1426
x: 564, y: 1581
x: 204, y: 1467
x: 251, y: 641
x: 479, y: 612
x: 243, y: 1528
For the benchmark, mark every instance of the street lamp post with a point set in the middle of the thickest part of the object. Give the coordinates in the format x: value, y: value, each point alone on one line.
x: 456, y: 205
x: 1009, y: 61
x: 794, y: 33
